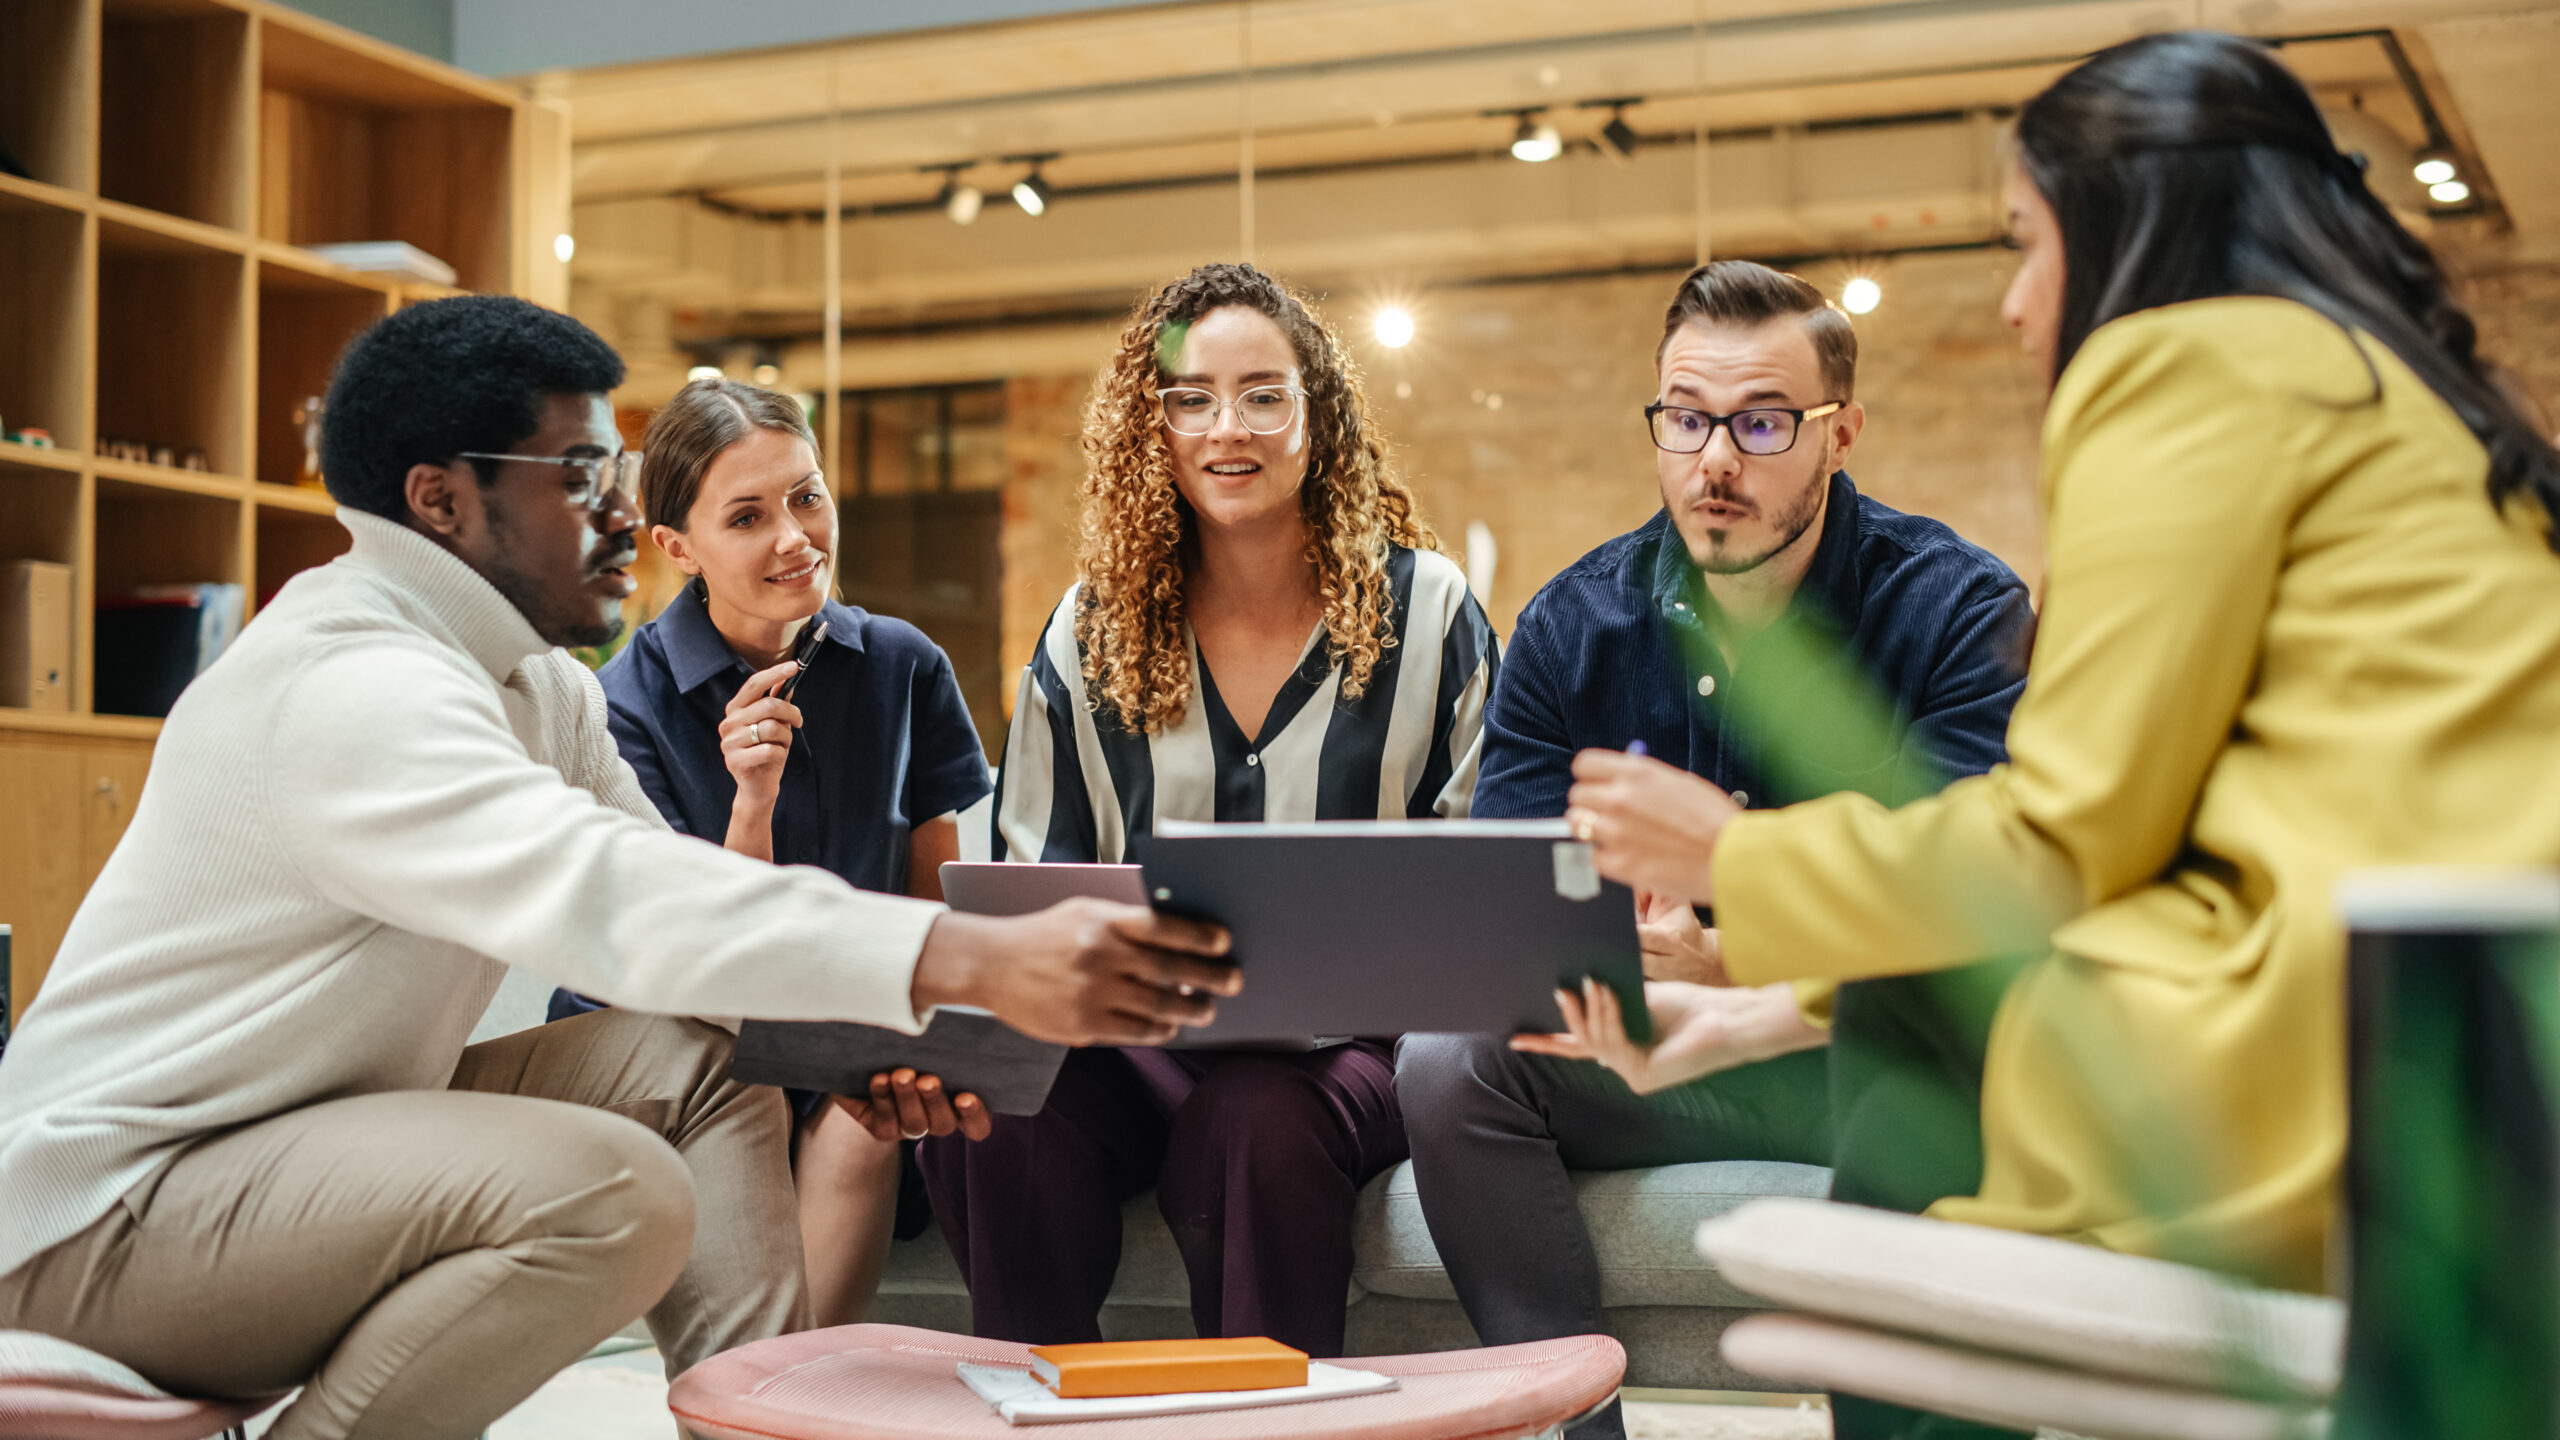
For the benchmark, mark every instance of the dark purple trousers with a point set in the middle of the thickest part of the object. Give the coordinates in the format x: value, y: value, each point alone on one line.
x: 1256, y: 1160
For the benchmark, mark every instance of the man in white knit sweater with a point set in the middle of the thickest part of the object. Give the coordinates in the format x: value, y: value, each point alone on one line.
x: 243, y: 1143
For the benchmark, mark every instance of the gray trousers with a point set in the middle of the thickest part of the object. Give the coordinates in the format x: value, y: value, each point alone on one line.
x: 1493, y: 1132
x: 421, y: 1261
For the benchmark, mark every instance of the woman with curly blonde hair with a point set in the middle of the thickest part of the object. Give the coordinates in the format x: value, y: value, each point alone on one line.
x: 1261, y: 630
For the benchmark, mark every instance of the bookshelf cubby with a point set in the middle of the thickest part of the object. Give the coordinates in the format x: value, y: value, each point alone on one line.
x: 52, y: 90
x: 43, y: 344
x: 170, y: 345
x: 150, y: 534
x: 40, y: 513
x: 358, y: 151
x: 290, y: 540
x: 155, y: 289
x: 173, y: 108
x: 305, y: 318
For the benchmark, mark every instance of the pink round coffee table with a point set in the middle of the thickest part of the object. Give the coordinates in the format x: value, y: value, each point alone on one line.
x: 890, y: 1382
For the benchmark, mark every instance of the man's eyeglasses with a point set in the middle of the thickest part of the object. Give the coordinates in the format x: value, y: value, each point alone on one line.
x: 1762, y: 431
x: 591, y: 479
x: 1264, y: 410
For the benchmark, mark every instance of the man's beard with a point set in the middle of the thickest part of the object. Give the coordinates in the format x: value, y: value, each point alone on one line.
x: 576, y: 627
x: 1790, y: 526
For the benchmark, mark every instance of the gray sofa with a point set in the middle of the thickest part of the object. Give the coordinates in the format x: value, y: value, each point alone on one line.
x: 1665, y: 1304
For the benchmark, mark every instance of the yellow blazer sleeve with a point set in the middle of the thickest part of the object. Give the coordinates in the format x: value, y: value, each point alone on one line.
x: 2166, y: 493
x: 1816, y: 1000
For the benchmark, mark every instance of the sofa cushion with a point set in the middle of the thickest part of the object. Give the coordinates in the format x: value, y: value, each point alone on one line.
x: 1640, y: 1221
x: 1998, y: 1389
x: 27, y: 1357
x: 2043, y: 1299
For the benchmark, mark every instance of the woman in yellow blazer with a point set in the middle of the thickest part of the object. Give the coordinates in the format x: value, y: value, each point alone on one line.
x: 2302, y: 615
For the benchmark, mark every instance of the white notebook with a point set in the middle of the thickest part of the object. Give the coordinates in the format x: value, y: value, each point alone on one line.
x: 1022, y: 1400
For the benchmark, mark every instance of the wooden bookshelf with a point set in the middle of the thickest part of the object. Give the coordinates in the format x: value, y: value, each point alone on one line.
x: 181, y: 154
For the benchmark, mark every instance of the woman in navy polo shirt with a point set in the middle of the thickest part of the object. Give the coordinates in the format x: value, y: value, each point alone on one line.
x: 863, y: 771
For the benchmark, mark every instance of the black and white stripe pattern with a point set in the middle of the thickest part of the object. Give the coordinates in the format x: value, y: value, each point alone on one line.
x: 1073, y: 789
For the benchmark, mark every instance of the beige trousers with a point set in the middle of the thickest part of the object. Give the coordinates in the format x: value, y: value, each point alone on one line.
x: 422, y: 1261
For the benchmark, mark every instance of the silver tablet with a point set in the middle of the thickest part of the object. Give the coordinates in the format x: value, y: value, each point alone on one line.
x: 982, y: 887
x: 970, y: 1049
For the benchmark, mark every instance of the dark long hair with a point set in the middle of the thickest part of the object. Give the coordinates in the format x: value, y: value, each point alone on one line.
x: 2192, y: 165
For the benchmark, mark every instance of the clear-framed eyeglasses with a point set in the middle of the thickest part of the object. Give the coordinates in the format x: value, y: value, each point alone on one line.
x: 1264, y: 409
x: 1762, y: 431
x: 591, y: 480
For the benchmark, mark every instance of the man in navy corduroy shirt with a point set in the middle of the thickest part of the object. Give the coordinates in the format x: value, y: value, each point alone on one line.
x: 1776, y: 632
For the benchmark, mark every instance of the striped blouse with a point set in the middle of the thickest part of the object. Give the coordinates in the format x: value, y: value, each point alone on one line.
x: 1075, y: 785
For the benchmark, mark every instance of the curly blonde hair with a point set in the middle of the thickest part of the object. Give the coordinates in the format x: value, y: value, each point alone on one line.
x: 1137, y: 532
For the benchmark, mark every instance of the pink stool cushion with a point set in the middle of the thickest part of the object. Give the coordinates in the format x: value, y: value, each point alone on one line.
x: 35, y: 1410
x: 890, y: 1382
x: 1998, y: 1389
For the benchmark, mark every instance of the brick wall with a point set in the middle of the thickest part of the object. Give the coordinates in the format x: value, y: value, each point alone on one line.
x: 1043, y: 465
x: 2518, y: 309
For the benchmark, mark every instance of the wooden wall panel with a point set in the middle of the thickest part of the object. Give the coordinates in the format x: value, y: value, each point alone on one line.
x: 69, y: 802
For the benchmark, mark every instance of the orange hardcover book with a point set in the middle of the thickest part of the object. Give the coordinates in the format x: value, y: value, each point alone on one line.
x: 1166, y: 1367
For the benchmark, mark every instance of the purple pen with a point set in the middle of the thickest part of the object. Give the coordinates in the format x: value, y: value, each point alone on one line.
x: 1636, y: 747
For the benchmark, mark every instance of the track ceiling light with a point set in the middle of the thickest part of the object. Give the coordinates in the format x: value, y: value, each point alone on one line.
x: 1535, y: 140
x: 1617, y: 139
x: 1032, y: 192
x: 960, y: 201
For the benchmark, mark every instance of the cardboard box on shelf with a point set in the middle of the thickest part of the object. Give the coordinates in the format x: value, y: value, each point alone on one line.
x: 35, y: 635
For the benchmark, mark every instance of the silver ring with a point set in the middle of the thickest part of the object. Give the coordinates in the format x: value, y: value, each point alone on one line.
x: 903, y: 1135
x: 755, y: 731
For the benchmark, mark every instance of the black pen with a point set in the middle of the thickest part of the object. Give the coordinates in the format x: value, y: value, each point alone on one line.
x: 804, y: 652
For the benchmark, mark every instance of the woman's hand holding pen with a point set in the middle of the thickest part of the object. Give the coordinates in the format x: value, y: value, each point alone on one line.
x: 755, y: 740
x: 904, y: 1105
x: 1650, y: 826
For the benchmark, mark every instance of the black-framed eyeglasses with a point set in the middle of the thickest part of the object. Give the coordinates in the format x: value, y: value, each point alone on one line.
x: 1761, y: 431
x: 596, y: 476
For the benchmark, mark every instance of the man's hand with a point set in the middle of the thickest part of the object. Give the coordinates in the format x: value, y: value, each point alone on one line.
x: 1082, y: 972
x: 903, y: 1105
x: 1650, y: 827
x: 1698, y: 1029
x: 1676, y: 946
